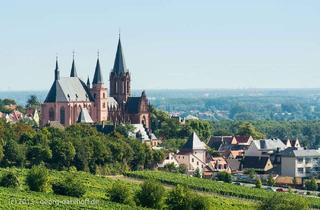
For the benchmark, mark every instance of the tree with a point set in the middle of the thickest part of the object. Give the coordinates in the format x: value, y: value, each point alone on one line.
x: 247, y: 129
x: 224, y: 176
x: 14, y: 154
x: 182, y: 169
x: 170, y: 167
x: 121, y: 193
x: 151, y: 194
x: 33, y: 102
x: 63, y: 153
x: 179, y: 198
x: 197, y: 173
x: 270, y: 181
x: 9, y: 180
x: 38, y: 154
x: 200, y: 203
x: 284, y: 202
x: 258, y: 182
x: 38, y: 178
x: 311, y: 184
x: 70, y: 187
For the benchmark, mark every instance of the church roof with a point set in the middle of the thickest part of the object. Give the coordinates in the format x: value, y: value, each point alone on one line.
x: 68, y: 89
x: 73, y: 72
x: 119, y: 66
x: 132, y: 105
x: 97, y: 79
x: 84, y: 116
x: 193, y: 143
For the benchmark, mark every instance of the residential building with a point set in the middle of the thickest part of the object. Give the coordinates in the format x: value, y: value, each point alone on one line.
x: 300, y: 162
x: 258, y: 163
x: 193, y: 154
x: 265, y: 147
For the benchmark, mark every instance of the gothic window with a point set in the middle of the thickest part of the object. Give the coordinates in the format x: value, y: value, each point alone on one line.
x: 104, y: 95
x: 104, y: 105
x: 116, y: 87
x: 94, y: 96
x: 51, y: 114
x: 62, y: 115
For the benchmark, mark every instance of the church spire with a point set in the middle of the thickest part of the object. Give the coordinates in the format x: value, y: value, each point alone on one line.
x: 73, y: 72
x: 97, y: 79
x: 119, y: 66
x: 56, y: 71
x: 88, y: 82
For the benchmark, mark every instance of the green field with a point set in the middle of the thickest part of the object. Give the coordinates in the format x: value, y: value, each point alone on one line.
x: 220, y: 188
x: 95, y: 197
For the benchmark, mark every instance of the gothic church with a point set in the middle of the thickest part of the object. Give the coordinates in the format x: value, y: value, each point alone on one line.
x: 70, y: 100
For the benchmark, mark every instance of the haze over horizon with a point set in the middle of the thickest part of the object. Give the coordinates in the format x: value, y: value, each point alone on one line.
x: 167, y: 44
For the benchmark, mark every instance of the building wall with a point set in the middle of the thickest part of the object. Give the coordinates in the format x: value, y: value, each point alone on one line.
x: 252, y: 151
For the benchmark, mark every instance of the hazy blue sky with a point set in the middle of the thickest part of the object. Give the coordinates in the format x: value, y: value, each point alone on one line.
x: 167, y: 44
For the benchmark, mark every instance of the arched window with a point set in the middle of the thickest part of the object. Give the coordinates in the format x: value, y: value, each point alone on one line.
x: 104, y: 105
x: 62, y: 115
x: 116, y: 84
x: 104, y: 95
x: 51, y: 114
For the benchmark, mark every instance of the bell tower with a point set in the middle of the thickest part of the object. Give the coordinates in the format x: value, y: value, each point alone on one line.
x: 120, y: 78
x: 99, y: 92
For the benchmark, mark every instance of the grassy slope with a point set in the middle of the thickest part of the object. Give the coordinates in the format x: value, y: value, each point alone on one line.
x: 96, y: 190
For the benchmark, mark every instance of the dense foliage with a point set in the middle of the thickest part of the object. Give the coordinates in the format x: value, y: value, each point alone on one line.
x: 38, y: 179
x: 79, y: 145
x: 69, y: 186
x: 283, y: 202
x: 151, y: 194
x: 9, y: 180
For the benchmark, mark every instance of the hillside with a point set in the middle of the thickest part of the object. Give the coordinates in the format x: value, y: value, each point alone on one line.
x: 95, y: 197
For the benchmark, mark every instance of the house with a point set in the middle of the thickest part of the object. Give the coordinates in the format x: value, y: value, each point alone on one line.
x: 218, y: 164
x: 142, y: 133
x: 300, y: 162
x: 258, y: 163
x: 215, y: 142
x: 293, y: 143
x: 193, y: 154
x: 234, y: 165
x: 265, y: 147
x: 244, y: 140
x: 170, y: 159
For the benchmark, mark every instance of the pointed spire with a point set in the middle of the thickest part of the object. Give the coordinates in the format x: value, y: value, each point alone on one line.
x: 88, y: 82
x: 119, y: 66
x: 56, y: 71
x: 97, y: 79
x: 73, y: 72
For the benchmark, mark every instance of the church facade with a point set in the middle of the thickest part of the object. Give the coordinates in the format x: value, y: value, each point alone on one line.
x: 70, y: 99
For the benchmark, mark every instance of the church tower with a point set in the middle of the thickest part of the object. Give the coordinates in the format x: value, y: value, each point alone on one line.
x: 99, y: 93
x: 120, y: 78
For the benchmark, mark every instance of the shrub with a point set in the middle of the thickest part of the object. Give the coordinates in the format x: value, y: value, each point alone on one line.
x: 9, y: 180
x: 284, y: 202
x: 151, y: 194
x: 69, y: 187
x: 38, y: 178
x: 224, y: 176
x: 179, y: 198
x: 121, y: 193
x: 199, y: 203
x: 197, y: 173
x: 270, y: 181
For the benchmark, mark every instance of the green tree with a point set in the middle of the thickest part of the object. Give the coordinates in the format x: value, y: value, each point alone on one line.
x: 182, y: 169
x: 63, y: 153
x: 121, y: 193
x: 38, y: 178
x: 33, y: 102
x: 247, y: 129
x: 197, y: 173
x: 284, y: 202
x: 224, y: 176
x: 71, y: 186
x: 38, y: 154
x: 14, y: 154
x: 311, y: 184
x: 9, y: 180
x: 151, y: 194
x: 271, y: 181
x: 258, y: 182
x: 179, y: 198
x: 171, y: 167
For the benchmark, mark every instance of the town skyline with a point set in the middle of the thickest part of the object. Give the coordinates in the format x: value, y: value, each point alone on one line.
x: 167, y: 45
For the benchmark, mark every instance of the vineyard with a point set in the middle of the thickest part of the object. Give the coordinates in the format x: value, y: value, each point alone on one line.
x: 95, y: 197
x: 220, y: 188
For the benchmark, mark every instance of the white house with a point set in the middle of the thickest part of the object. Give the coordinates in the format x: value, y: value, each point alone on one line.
x: 193, y: 154
x: 265, y: 147
x: 300, y: 162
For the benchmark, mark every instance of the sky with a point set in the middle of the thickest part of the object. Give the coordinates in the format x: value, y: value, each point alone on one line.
x: 167, y: 44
